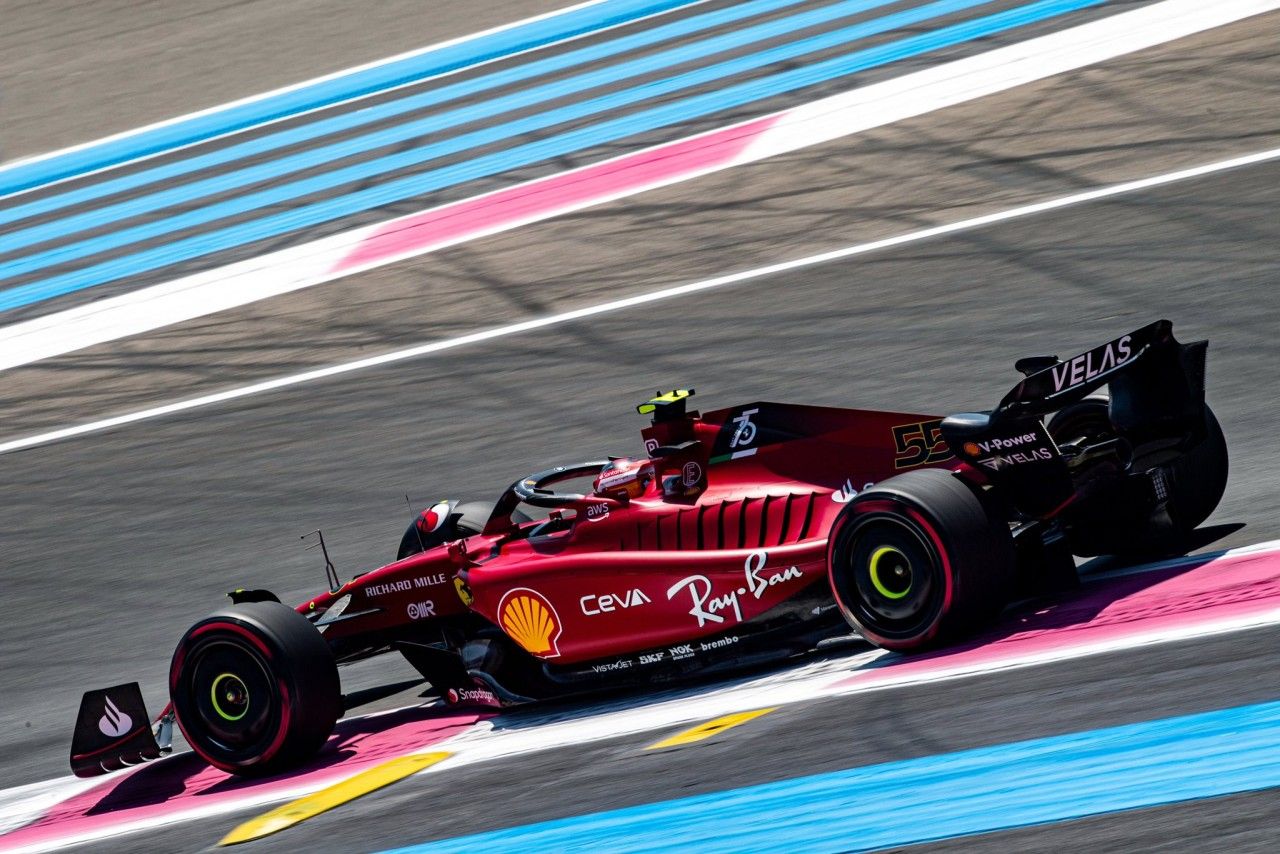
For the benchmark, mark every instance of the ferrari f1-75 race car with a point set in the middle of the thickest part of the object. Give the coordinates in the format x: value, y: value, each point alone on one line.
x: 743, y: 535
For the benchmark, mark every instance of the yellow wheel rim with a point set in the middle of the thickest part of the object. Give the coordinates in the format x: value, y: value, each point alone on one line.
x: 234, y: 686
x: 901, y: 570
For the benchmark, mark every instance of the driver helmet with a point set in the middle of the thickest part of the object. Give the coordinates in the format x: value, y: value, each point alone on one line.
x: 624, y: 476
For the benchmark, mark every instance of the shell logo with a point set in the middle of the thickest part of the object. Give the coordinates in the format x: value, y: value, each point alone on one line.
x: 529, y: 619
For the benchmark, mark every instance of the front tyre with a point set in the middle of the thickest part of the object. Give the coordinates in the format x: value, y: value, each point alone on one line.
x: 444, y: 522
x: 255, y: 688
x: 918, y: 560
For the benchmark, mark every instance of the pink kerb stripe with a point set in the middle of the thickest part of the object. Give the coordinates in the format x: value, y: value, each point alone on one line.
x: 555, y: 194
x: 185, y: 784
x: 1181, y: 597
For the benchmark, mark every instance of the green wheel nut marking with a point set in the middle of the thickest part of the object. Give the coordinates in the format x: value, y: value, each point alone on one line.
x: 879, y: 585
x: 238, y: 687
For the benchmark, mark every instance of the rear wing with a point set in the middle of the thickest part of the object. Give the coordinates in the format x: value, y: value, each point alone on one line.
x: 1156, y: 387
x: 1148, y: 364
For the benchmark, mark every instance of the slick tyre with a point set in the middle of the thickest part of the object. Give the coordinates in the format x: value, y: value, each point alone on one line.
x: 466, y: 520
x: 1085, y: 420
x: 1197, y: 480
x: 255, y: 688
x: 1200, y: 478
x: 919, y: 560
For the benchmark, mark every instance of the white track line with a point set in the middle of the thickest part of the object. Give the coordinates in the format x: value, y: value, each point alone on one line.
x: 840, y: 115
x: 669, y: 709
x: 18, y: 800
x: 565, y: 317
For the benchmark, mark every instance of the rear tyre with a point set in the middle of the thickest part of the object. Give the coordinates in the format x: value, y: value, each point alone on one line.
x: 919, y: 560
x: 1198, y: 478
x: 255, y: 688
x: 1086, y: 421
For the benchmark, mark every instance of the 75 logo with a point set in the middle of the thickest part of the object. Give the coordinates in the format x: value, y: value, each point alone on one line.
x: 919, y: 444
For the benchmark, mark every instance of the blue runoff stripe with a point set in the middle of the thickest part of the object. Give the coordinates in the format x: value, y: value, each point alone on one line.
x: 937, y: 797
x: 185, y: 193
x: 23, y: 176
x: 355, y: 118
x: 443, y: 121
x: 528, y: 153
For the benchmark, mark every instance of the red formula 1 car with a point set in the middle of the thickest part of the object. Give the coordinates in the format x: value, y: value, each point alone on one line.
x: 745, y: 534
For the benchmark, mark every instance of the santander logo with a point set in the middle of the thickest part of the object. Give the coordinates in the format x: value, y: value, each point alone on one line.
x: 114, y: 723
x: 848, y: 491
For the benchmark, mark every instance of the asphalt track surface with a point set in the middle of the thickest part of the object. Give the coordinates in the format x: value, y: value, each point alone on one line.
x: 478, y: 130
x: 837, y: 733
x: 75, y: 72
x: 120, y: 539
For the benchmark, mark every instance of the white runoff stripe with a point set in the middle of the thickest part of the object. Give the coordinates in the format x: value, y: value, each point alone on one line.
x: 821, y: 121
x: 988, y: 73
x: 671, y: 709
x: 21, y: 804
x: 479, y: 744
x: 632, y: 301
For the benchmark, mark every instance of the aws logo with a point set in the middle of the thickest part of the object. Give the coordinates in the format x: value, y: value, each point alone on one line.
x: 529, y: 619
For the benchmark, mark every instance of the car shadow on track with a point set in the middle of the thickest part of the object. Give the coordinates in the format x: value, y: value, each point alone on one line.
x: 1106, y: 582
x: 369, y: 739
x: 1198, y: 539
x: 1053, y: 613
x: 372, y: 737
